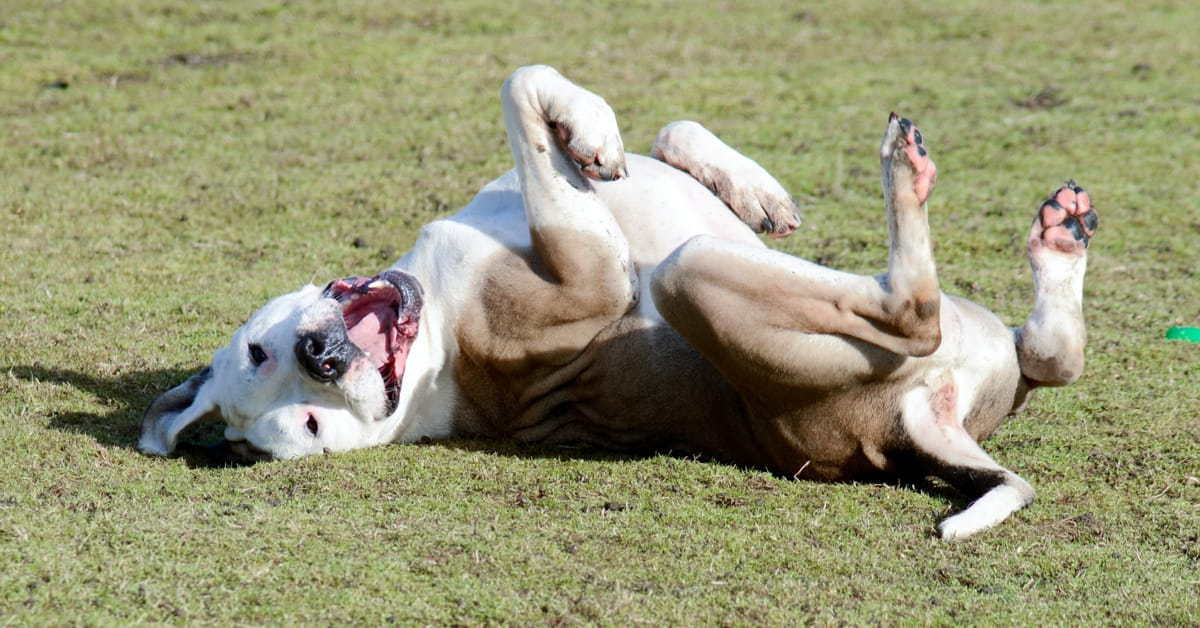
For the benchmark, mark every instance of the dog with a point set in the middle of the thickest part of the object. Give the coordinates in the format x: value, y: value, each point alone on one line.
x: 626, y: 302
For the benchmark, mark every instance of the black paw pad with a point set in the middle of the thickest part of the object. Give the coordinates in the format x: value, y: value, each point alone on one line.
x: 1091, y: 220
x: 1073, y: 225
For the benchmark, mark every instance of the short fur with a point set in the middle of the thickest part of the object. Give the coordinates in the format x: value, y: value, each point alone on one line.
x: 626, y: 302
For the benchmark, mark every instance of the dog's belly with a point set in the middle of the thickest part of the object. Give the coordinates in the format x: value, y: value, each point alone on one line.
x: 637, y: 387
x: 642, y: 388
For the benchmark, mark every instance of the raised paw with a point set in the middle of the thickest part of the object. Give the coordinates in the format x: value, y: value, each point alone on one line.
x: 585, y: 127
x: 760, y: 203
x: 542, y: 107
x: 1067, y: 220
x: 603, y: 160
x: 753, y: 195
x: 904, y: 148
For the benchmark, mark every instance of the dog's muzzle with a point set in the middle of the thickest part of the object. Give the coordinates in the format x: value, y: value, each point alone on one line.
x: 325, y: 356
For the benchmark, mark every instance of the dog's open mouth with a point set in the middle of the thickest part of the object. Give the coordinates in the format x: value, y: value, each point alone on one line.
x: 381, y: 314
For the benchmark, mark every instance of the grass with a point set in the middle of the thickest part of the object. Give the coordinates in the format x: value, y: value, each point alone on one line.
x: 165, y: 167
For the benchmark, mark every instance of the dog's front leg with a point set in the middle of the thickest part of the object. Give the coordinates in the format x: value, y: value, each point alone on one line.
x: 751, y: 192
x: 562, y: 137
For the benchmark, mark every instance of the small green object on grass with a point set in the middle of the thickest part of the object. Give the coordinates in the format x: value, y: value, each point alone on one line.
x: 1190, y: 334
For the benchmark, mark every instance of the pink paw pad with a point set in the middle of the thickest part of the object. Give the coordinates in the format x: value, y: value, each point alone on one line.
x: 1068, y: 218
x: 924, y: 170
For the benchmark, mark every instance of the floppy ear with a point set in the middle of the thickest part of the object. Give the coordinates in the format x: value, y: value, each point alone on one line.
x: 176, y: 409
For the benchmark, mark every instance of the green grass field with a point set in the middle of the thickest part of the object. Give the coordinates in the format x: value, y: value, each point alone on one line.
x: 166, y: 167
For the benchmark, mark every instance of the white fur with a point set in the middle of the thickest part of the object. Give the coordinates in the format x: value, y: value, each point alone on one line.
x: 995, y: 506
x: 647, y: 228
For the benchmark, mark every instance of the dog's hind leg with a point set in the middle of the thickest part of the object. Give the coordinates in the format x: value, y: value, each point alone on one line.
x: 767, y: 319
x: 941, y: 447
x: 748, y: 189
x: 1049, y: 352
x: 1050, y: 343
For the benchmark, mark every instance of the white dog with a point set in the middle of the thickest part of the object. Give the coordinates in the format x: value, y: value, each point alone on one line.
x: 574, y: 300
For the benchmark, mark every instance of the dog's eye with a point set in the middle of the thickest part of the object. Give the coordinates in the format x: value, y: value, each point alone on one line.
x: 312, y: 425
x: 257, y: 355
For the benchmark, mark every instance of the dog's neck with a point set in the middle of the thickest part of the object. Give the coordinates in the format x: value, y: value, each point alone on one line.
x: 428, y: 391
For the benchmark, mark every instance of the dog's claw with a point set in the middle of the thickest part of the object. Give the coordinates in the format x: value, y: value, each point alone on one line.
x: 598, y: 171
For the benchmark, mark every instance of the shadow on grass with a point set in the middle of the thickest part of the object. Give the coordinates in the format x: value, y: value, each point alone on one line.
x: 124, y: 398
x: 203, y: 446
x: 513, y: 449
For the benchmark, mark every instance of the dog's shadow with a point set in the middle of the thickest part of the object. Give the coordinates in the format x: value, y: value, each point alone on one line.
x: 203, y: 446
x: 125, y: 397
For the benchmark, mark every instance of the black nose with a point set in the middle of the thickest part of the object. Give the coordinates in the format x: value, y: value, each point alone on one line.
x: 324, y: 360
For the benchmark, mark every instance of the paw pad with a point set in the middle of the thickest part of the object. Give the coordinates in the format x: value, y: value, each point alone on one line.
x: 906, y: 140
x: 1068, y: 216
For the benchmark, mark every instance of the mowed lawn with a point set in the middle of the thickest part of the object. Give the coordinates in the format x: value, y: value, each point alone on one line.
x: 168, y: 166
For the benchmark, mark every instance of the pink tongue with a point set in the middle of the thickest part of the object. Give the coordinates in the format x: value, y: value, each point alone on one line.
x: 370, y: 335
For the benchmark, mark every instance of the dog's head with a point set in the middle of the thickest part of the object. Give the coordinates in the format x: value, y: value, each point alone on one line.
x: 312, y: 371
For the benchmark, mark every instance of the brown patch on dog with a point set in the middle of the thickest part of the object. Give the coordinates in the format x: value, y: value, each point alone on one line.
x: 927, y: 308
x: 633, y: 388
x: 829, y: 435
x: 521, y: 313
x: 914, y: 320
x: 522, y: 335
